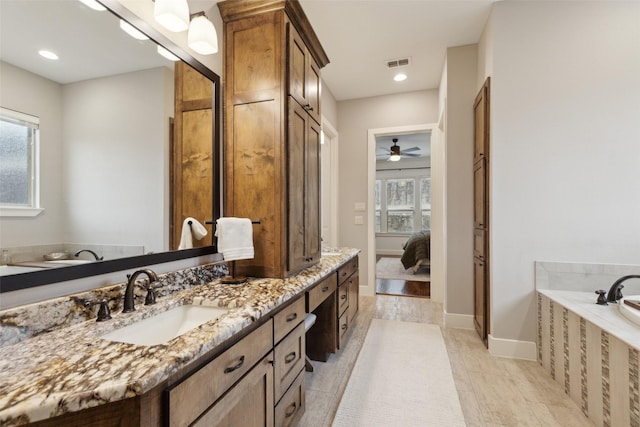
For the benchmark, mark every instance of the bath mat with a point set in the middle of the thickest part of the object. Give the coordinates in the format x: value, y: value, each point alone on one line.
x: 402, y: 377
x: 392, y: 268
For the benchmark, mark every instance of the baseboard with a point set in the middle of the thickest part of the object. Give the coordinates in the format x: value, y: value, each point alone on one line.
x: 458, y: 321
x: 368, y: 291
x: 512, y: 349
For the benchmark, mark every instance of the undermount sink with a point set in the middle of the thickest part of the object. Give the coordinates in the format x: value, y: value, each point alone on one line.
x: 165, y: 326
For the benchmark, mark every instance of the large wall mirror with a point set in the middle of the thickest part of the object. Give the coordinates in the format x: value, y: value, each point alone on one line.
x: 105, y: 109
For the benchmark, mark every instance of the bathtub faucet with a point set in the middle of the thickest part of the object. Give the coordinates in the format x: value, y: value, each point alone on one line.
x: 615, y: 292
x: 95, y: 255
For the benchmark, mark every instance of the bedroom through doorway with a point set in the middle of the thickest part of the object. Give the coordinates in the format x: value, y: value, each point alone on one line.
x: 402, y: 199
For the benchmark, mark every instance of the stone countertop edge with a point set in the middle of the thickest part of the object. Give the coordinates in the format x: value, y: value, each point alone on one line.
x: 608, y: 318
x: 72, y: 369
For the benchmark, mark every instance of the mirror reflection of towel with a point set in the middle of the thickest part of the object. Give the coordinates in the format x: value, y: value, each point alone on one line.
x: 189, y: 231
x: 235, y: 238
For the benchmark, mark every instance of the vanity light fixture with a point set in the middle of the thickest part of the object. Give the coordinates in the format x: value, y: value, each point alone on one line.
x: 202, y: 36
x: 133, y: 32
x: 172, y: 14
x: 48, y: 54
x: 170, y: 56
x: 93, y: 4
x: 400, y: 77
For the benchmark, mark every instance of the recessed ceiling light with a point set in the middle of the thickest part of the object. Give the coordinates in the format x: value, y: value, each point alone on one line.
x: 400, y: 77
x: 94, y: 5
x: 48, y: 54
x: 132, y: 31
x: 164, y: 52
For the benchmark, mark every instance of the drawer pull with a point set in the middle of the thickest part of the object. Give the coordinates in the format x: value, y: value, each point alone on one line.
x: 344, y: 326
x: 325, y: 289
x: 233, y: 368
x: 291, y: 409
x: 343, y: 297
x: 290, y: 357
x: 292, y: 317
x: 344, y: 273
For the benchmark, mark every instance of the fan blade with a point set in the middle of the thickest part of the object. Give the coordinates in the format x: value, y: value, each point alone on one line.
x: 411, y: 149
x: 410, y: 155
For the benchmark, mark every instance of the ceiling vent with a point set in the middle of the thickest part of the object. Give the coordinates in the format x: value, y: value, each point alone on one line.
x: 395, y: 63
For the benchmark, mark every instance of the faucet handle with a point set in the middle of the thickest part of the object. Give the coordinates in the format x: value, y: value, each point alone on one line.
x: 104, y: 313
x: 619, y: 292
x: 151, y: 293
x: 602, y: 300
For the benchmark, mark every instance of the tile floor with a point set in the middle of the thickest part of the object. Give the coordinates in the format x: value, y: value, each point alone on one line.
x: 492, y: 391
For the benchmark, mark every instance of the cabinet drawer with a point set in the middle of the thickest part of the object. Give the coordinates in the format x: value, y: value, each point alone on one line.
x: 289, y: 358
x: 320, y: 292
x: 287, y: 319
x: 343, y: 297
x: 195, y: 394
x: 347, y: 270
x: 249, y: 403
x: 291, y: 408
x: 343, y: 328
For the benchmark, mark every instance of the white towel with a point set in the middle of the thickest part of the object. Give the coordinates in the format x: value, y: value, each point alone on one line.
x: 189, y: 231
x: 235, y: 238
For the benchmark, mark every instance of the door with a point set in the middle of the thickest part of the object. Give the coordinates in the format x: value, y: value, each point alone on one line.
x: 481, y: 281
x: 192, y: 168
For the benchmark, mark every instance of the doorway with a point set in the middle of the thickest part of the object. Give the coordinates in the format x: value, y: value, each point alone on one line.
x: 436, y: 292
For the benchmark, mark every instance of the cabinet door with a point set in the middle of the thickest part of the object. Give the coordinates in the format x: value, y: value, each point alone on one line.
x: 289, y: 357
x: 312, y: 197
x: 296, y: 186
x: 304, y: 75
x: 249, y: 403
x: 354, y: 293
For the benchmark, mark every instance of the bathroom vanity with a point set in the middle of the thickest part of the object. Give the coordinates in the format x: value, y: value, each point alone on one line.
x: 246, y: 364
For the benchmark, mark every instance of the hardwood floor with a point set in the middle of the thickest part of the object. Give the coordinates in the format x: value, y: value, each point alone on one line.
x: 492, y: 391
x: 403, y: 287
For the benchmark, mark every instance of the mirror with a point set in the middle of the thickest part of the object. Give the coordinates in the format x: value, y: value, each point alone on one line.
x: 104, y: 136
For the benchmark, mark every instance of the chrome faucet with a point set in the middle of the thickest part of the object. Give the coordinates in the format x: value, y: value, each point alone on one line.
x: 95, y: 255
x: 615, y: 292
x: 128, y: 305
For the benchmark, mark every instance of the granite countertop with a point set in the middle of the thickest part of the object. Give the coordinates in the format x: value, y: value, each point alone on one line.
x: 71, y: 369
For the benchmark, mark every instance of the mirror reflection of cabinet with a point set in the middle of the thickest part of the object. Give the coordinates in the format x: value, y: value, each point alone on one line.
x: 192, y: 173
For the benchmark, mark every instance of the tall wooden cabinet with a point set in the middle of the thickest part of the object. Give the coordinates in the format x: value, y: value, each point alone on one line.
x: 272, y: 132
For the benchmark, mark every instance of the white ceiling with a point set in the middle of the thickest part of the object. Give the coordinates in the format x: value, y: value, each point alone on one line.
x: 359, y: 36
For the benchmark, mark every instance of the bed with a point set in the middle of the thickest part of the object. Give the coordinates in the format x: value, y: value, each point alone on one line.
x: 417, y: 251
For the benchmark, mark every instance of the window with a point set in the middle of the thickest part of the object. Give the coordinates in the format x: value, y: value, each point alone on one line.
x: 19, y: 137
x: 405, y: 204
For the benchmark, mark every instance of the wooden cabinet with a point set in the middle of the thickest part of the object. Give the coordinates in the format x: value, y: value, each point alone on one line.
x: 244, y: 387
x: 272, y: 135
x: 348, y: 293
x: 249, y: 403
x: 193, y: 396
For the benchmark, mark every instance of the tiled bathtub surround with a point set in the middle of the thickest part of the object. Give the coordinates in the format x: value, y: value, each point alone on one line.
x: 589, y: 349
x: 71, y: 368
x: 28, y: 321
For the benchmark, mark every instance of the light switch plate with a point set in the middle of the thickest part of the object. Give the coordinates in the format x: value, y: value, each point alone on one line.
x: 358, y: 220
x: 359, y: 206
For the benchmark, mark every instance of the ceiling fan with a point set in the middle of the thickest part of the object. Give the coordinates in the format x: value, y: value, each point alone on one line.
x: 395, y: 153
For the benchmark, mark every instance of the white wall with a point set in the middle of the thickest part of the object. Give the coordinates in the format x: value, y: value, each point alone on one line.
x: 565, y: 145
x: 356, y: 117
x: 29, y: 93
x: 460, y: 94
x: 116, y: 142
